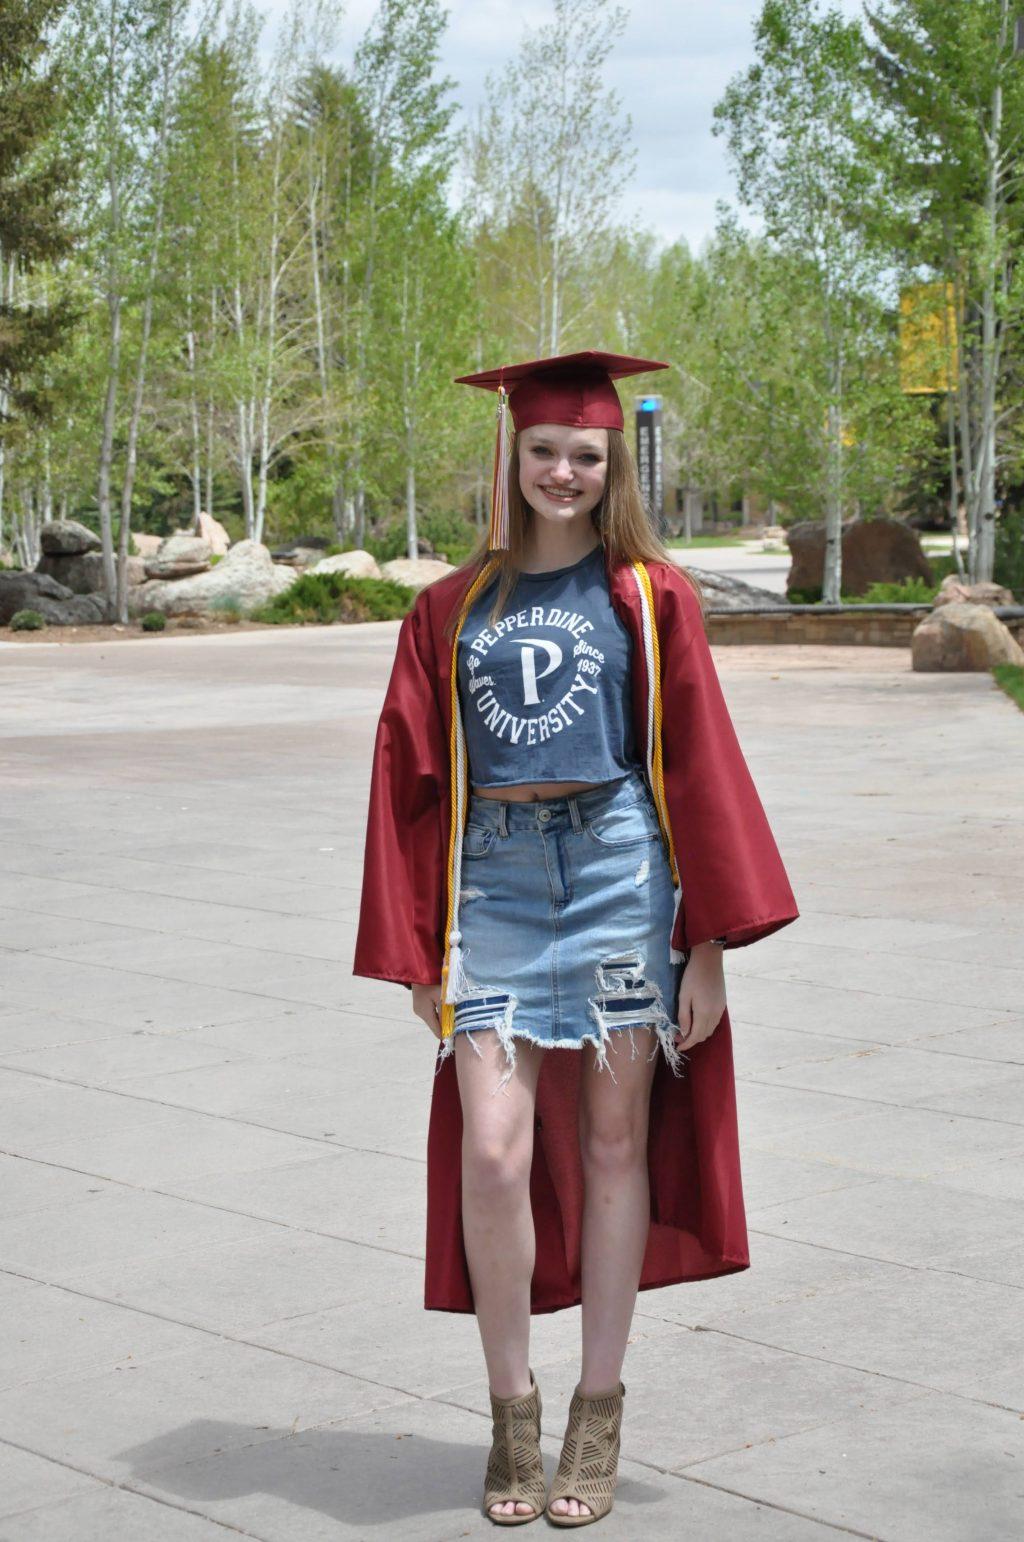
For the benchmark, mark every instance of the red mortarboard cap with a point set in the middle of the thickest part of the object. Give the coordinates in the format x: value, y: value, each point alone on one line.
x: 572, y: 388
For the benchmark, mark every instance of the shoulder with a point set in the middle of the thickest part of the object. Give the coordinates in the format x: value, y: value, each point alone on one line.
x: 678, y: 608
x: 440, y: 597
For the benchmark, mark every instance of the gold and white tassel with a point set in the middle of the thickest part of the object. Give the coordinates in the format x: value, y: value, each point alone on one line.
x: 498, y: 538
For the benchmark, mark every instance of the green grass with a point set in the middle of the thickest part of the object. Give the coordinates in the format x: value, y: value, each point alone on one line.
x: 320, y: 599
x: 708, y: 540
x: 1010, y: 678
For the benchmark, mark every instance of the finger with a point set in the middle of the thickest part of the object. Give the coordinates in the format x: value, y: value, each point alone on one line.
x: 698, y: 1033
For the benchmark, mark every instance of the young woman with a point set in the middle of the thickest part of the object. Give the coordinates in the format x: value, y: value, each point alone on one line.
x: 562, y: 838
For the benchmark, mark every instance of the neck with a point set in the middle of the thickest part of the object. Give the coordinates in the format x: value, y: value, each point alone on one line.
x: 549, y: 546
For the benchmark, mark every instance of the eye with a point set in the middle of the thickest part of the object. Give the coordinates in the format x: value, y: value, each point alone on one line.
x: 590, y: 458
x: 540, y: 449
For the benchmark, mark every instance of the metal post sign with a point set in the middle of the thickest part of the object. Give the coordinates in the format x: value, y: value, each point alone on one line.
x: 648, y: 456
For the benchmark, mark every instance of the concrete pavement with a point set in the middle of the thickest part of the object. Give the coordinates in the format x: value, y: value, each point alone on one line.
x: 212, y: 1149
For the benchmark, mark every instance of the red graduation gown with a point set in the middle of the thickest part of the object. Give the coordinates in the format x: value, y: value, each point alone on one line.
x: 733, y: 883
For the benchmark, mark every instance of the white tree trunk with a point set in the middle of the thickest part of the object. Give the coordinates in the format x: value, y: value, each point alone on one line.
x: 113, y: 300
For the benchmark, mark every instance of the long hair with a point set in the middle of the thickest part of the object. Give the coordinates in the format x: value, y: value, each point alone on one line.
x: 620, y: 518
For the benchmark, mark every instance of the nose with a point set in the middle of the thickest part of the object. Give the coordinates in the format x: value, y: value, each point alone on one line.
x: 562, y: 472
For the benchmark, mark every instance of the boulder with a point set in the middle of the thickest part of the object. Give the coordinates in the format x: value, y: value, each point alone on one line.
x: 83, y: 573
x: 180, y: 555
x: 145, y: 544
x: 298, y: 557
x: 317, y: 543
x: 54, y: 602
x: 960, y: 636
x: 953, y: 589
x: 213, y: 533
x: 875, y: 551
x: 724, y: 593
x: 417, y: 572
x: 67, y: 538
x: 356, y: 564
x: 248, y: 576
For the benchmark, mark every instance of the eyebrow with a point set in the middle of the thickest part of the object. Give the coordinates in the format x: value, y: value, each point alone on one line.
x: 587, y: 446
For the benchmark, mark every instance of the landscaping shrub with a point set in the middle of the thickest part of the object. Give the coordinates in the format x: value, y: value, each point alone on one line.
x: 322, y: 598
x: 27, y: 621
x: 227, y: 606
x: 909, y: 591
x: 1010, y: 677
x: 153, y: 621
x: 1009, y: 555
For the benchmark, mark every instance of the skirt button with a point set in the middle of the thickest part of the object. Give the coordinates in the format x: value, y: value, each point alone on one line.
x: 545, y: 813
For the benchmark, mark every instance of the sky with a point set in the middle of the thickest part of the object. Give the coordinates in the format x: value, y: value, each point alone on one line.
x: 670, y: 67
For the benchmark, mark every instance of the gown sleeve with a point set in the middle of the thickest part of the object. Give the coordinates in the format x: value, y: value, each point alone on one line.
x: 401, y: 920
x: 734, y: 884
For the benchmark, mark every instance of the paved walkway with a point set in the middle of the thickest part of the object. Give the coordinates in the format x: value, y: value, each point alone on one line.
x: 211, y: 1185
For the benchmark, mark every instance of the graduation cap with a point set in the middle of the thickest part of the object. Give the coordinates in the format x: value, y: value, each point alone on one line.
x: 572, y: 388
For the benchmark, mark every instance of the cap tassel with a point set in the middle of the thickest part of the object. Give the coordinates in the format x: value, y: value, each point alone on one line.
x: 498, y: 539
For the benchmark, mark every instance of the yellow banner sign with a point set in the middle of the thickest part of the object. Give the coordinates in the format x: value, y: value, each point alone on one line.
x: 928, y: 340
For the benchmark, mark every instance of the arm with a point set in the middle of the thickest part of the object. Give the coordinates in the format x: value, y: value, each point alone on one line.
x: 401, y: 914
x: 733, y: 880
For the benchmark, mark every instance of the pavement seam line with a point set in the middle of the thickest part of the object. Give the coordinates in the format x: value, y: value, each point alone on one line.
x: 113, y: 1484
x: 803, y: 1354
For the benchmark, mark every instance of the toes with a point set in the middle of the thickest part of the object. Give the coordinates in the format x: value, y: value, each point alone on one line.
x: 569, y: 1507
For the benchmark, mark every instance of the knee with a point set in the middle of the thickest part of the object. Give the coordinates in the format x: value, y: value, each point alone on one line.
x: 614, y: 1146
x: 495, y: 1170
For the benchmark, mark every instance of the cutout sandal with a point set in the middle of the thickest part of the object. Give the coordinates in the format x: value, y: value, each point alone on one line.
x: 515, y: 1468
x: 588, y: 1466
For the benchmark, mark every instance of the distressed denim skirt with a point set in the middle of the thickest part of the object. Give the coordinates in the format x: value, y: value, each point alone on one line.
x: 565, y: 909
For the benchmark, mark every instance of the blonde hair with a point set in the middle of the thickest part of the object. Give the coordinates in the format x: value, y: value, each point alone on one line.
x: 620, y: 518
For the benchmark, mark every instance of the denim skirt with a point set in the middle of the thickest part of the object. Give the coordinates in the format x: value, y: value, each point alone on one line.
x: 565, y: 909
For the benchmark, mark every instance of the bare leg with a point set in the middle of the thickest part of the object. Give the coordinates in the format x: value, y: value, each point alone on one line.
x: 616, y: 1208
x: 497, y: 1218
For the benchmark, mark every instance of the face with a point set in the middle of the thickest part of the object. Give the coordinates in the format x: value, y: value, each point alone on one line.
x: 562, y: 470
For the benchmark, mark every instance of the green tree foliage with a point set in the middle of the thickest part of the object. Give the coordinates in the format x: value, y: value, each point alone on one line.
x: 947, y: 135
x: 36, y: 180
x: 280, y: 261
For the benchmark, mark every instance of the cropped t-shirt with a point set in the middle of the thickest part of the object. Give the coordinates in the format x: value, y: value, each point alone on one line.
x: 545, y: 692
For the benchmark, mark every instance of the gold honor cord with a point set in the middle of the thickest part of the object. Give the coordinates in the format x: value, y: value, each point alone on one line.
x: 654, y: 684
x: 458, y: 799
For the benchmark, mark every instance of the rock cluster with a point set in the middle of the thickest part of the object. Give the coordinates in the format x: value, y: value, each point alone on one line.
x: 724, y: 593
x: 55, y: 602
x: 246, y: 578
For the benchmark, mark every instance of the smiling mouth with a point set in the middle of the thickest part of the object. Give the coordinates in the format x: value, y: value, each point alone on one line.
x: 560, y: 495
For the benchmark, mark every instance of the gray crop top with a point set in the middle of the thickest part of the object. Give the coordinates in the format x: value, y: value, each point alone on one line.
x: 545, y: 693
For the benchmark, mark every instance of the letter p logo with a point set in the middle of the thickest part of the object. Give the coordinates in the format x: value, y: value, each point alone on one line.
x: 529, y: 646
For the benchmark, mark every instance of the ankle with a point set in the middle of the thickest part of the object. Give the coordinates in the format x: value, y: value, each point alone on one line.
x: 592, y: 1394
x: 512, y: 1389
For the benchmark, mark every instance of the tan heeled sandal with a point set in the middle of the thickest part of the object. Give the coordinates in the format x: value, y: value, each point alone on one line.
x: 515, y: 1468
x: 588, y: 1466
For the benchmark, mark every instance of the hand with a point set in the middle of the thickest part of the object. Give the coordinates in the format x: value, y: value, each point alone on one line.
x: 701, y: 995
x: 426, y: 1003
